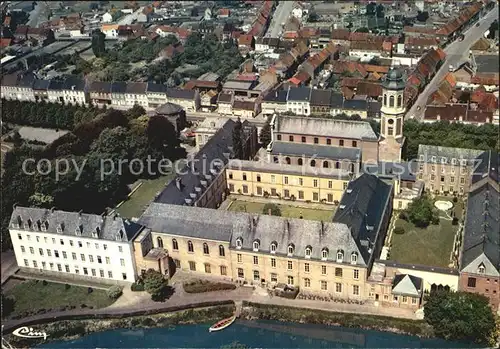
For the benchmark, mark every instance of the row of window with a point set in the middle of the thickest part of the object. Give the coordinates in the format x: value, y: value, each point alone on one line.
x: 312, y: 163
x: 451, y: 189
x: 190, y: 247
x: 307, y: 267
x: 207, y: 266
x: 71, y: 242
x: 73, y: 255
x: 316, y: 140
x: 452, y: 179
x: 52, y: 267
x: 391, y: 101
x: 444, y: 160
x: 298, y: 181
x: 286, y: 193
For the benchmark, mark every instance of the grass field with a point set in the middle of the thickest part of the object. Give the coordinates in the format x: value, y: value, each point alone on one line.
x: 286, y: 210
x: 32, y: 295
x: 137, y: 202
x: 428, y: 246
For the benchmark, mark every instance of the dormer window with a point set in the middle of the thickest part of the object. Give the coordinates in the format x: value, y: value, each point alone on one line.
x: 44, y: 226
x: 433, y: 159
x: 119, y: 235
x: 60, y: 228
x: 79, y: 230
x: 256, y: 245
x: 453, y: 161
x: 96, y: 232
x: 239, y: 243
x: 422, y: 157
x: 481, y: 269
x: 28, y: 224
x: 324, y: 254
x: 274, y: 246
x: 354, y: 258
x: 308, y: 251
x: 340, y: 256
x: 291, y: 249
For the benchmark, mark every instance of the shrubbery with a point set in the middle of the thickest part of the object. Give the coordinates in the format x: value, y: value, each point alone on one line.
x: 114, y: 292
x: 200, y: 286
x: 137, y: 287
x: 399, y: 230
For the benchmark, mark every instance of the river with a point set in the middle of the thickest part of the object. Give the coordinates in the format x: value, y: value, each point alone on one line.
x: 254, y: 334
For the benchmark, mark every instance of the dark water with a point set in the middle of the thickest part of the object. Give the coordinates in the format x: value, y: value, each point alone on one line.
x: 255, y: 334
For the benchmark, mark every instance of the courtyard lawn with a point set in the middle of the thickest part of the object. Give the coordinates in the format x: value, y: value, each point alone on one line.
x: 286, y: 210
x: 33, y: 295
x: 137, y: 202
x: 428, y: 246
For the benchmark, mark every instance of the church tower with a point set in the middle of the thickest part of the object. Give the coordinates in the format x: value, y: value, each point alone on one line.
x: 392, y: 116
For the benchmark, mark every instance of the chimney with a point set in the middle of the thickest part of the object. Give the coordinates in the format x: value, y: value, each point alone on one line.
x: 439, y: 117
x: 178, y: 183
x: 287, y: 226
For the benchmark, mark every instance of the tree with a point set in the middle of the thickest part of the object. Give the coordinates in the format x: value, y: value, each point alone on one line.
x: 265, y: 134
x: 422, y: 16
x: 237, y: 140
x: 7, y: 305
x: 98, y: 43
x: 421, y: 211
x: 273, y: 208
x: 460, y: 316
x: 155, y: 284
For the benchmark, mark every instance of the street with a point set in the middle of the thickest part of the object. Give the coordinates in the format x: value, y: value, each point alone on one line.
x: 281, y: 14
x: 456, y: 53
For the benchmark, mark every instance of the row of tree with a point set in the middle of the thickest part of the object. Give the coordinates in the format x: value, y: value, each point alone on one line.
x: 93, y: 180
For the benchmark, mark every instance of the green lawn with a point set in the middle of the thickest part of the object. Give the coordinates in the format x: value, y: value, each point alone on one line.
x: 137, y: 202
x: 429, y: 246
x: 32, y: 295
x: 286, y: 210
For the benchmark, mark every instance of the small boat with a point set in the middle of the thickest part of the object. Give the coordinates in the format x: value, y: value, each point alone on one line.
x: 222, y: 324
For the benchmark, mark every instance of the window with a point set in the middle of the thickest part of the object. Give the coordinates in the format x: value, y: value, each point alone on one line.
x: 404, y: 299
x: 91, y: 258
x: 325, y: 164
x: 101, y: 273
x: 285, y: 180
x: 122, y: 262
x: 289, y: 265
x: 303, y: 140
x: 240, y: 273
x: 26, y: 263
x: 328, y: 141
x: 32, y: 250
x: 256, y: 275
x: 301, y: 181
x: 259, y: 190
x: 324, y: 253
x: 110, y: 274
x: 244, y: 176
x: 61, y: 241
x: 40, y: 251
x: 80, y: 244
x: 124, y: 276
x: 301, y: 194
x: 258, y: 178
x: 308, y: 252
x: 356, y: 274
x: 345, y: 185
x: 340, y: 256
x: 306, y: 267
x: 205, y: 248
x: 66, y: 267
x: 391, y: 101
x: 324, y: 285
x: 312, y: 163
x: 452, y: 179
x: 273, y: 191
x: 279, y: 137
x: 338, y: 287
x: 355, y: 290
x: 73, y: 255
x: 290, y: 280
x: 231, y: 187
x: 192, y: 266
x: 341, y: 143
x: 93, y: 272
x: 223, y: 270
x: 315, y: 183
x: 255, y: 260
x: 159, y: 241
x: 99, y: 259
x: 462, y: 180
x: 274, y: 277
x: 222, y: 252
x: 323, y: 269
x: 256, y: 245
x: 120, y: 249
x: 208, y: 270
x: 355, y: 144
x: 481, y: 269
x: 108, y: 261
x: 273, y: 247
x: 273, y: 179
x: 59, y: 267
x: 273, y: 262
x: 239, y: 258
x: 414, y: 300
x: 299, y: 162
x: 65, y: 255
x: 290, y: 138
x: 471, y: 282
x: 35, y: 265
x: 329, y: 197
x: 316, y: 140
x: 190, y: 247
x: 354, y: 258
x: 338, y: 272
x: 23, y: 250
x: 307, y: 282
x: 315, y: 196
x: 82, y: 257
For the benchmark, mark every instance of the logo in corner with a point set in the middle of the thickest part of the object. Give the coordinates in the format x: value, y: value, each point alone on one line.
x: 28, y: 332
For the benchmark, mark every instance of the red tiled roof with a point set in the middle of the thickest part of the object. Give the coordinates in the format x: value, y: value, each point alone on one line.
x: 376, y: 68
x: 347, y: 92
x: 486, y: 79
x: 224, y: 12
x: 5, y: 42
x: 421, y: 41
x: 370, y: 89
x: 193, y: 84
x: 340, y: 34
x: 357, y: 36
x: 290, y: 35
x: 387, y: 46
x: 421, y: 30
x: 247, y: 77
x: 351, y: 82
x: 245, y: 39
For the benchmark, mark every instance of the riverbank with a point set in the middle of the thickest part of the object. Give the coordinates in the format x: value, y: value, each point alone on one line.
x: 254, y: 311
x: 71, y: 329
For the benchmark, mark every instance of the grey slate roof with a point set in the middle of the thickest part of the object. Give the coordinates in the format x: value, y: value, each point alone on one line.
x: 299, y: 94
x: 136, y: 87
x: 355, y: 104
x: 217, y: 147
x: 319, y: 151
x: 113, y: 228
x: 405, y: 170
x: 446, y: 154
x: 225, y: 97
x: 487, y: 166
x: 26, y: 80
x: 269, y: 167
x: 100, y: 87
x: 40, y: 84
x: 74, y: 83
x: 180, y: 93
x: 118, y: 87
x: 324, y: 127
x: 321, y: 97
x: 55, y: 85
x: 228, y: 226
x: 407, y: 285
x: 482, y: 230
x: 278, y: 96
x: 336, y: 100
x: 362, y: 208
x: 156, y: 88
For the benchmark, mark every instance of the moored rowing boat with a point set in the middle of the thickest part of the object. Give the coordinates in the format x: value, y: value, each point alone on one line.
x: 222, y: 324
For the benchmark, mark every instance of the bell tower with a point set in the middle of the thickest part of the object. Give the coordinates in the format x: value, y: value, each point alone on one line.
x: 392, y: 116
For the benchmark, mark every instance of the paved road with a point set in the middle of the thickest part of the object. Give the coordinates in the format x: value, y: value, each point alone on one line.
x: 39, y: 15
x: 456, y: 52
x: 281, y: 14
x: 130, y: 18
